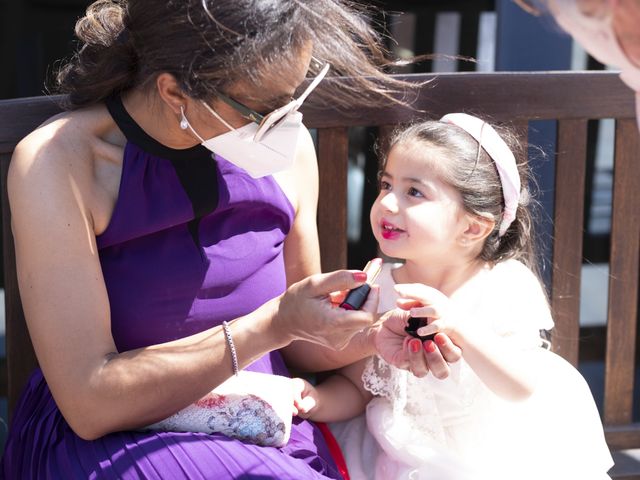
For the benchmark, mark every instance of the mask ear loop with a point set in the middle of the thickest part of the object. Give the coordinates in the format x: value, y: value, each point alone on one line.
x: 292, y: 107
x: 312, y: 86
x: 215, y: 114
x: 184, y: 124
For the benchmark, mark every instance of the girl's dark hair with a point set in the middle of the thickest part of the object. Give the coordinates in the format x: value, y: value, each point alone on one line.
x: 209, y: 44
x: 471, y: 171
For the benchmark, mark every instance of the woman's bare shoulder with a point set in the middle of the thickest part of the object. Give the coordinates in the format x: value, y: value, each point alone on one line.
x: 62, y: 149
x: 58, y: 160
x: 63, y: 136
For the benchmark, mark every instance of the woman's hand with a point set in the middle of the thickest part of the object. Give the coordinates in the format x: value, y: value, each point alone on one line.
x: 305, y: 398
x: 305, y: 310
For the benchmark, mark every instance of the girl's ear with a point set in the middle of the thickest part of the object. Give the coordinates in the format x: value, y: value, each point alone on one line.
x: 478, y: 227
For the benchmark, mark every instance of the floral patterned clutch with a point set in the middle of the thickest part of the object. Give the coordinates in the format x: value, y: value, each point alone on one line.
x: 252, y: 407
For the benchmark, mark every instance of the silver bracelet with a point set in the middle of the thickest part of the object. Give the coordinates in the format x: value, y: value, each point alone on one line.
x: 232, y: 347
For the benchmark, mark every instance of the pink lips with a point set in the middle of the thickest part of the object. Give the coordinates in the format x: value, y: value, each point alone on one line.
x: 389, y: 231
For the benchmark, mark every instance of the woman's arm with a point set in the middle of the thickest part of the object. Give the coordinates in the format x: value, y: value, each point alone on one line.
x: 302, y: 258
x: 53, y: 202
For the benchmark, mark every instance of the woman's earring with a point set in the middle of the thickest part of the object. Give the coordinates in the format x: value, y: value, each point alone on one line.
x: 184, y: 124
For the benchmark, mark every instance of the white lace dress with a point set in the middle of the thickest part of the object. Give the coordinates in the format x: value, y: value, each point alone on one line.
x: 457, y: 429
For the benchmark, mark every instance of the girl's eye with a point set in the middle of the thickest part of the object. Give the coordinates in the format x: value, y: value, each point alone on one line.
x: 384, y: 185
x: 412, y: 192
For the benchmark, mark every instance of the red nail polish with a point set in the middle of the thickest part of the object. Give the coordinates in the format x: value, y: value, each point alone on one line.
x: 357, y: 296
x: 414, y: 345
x: 429, y: 346
x: 440, y: 340
x: 360, y: 276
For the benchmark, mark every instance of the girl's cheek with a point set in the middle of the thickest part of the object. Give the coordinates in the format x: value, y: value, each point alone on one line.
x: 373, y: 214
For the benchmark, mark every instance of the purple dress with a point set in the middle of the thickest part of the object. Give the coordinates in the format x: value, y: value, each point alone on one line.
x: 192, y: 242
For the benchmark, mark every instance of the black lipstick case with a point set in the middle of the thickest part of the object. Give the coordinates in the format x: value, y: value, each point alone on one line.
x: 356, y: 297
x: 413, y: 326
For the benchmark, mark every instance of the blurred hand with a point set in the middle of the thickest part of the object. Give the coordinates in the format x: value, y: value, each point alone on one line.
x: 305, y: 397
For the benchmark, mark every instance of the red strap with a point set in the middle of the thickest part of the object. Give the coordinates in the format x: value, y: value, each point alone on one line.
x: 334, y: 449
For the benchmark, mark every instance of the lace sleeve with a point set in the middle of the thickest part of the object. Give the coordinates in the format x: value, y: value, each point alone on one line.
x: 387, y: 381
x: 448, y: 399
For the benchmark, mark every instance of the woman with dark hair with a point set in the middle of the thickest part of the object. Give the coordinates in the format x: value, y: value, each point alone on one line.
x: 165, y: 235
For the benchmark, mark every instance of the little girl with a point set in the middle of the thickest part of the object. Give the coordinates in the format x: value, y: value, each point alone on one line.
x: 453, y: 205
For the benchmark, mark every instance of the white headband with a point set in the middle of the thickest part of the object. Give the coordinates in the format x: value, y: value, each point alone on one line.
x: 502, y: 156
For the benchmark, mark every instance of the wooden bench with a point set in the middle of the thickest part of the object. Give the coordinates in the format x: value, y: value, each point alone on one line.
x: 571, y: 98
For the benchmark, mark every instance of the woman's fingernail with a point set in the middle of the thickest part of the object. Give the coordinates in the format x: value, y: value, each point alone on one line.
x: 360, y: 276
x: 414, y: 345
x: 441, y: 340
x: 429, y: 346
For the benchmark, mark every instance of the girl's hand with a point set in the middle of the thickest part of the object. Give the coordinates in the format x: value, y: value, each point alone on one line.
x: 422, y: 301
x: 435, y: 355
x: 396, y: 347
x: 401, y: 350
x: 305, y: 398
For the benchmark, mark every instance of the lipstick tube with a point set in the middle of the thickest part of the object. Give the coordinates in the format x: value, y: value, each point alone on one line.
x: 414, y: 324
x: 357, y: 296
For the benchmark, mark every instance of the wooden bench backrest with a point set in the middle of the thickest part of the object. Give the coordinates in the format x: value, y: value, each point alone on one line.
x: 571, y: 98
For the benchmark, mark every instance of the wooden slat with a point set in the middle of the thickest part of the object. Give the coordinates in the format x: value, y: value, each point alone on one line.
x: 4, y: 382
x: 22, y: 115
x: 629, y: 473
x: 623, y: 437
x: 567, y: 233
x: 503, y: 96
x: 21, y: 359
x: 499, y: 95
x: 623, y: 281
x: 333, y: 156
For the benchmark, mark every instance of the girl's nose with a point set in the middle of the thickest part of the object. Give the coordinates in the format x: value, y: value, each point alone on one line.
x: 389, y: 202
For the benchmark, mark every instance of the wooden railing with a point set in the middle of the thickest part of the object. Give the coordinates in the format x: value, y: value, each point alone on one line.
x: 570, y: 98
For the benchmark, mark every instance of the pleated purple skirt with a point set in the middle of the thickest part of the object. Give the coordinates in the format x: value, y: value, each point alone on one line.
x: 43, y: 446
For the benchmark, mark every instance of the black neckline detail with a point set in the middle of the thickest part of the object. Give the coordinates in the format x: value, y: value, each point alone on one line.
x: 195, y: 167
x: 137, y: 135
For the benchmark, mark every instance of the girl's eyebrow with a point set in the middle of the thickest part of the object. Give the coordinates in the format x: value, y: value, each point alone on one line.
x: 413, y: 180
x: 419, y: 181
x: 427, y: 185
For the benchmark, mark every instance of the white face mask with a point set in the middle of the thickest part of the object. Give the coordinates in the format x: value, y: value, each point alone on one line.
x: 262, y: 149
x: 597, y: 36
x: 273, y: 153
